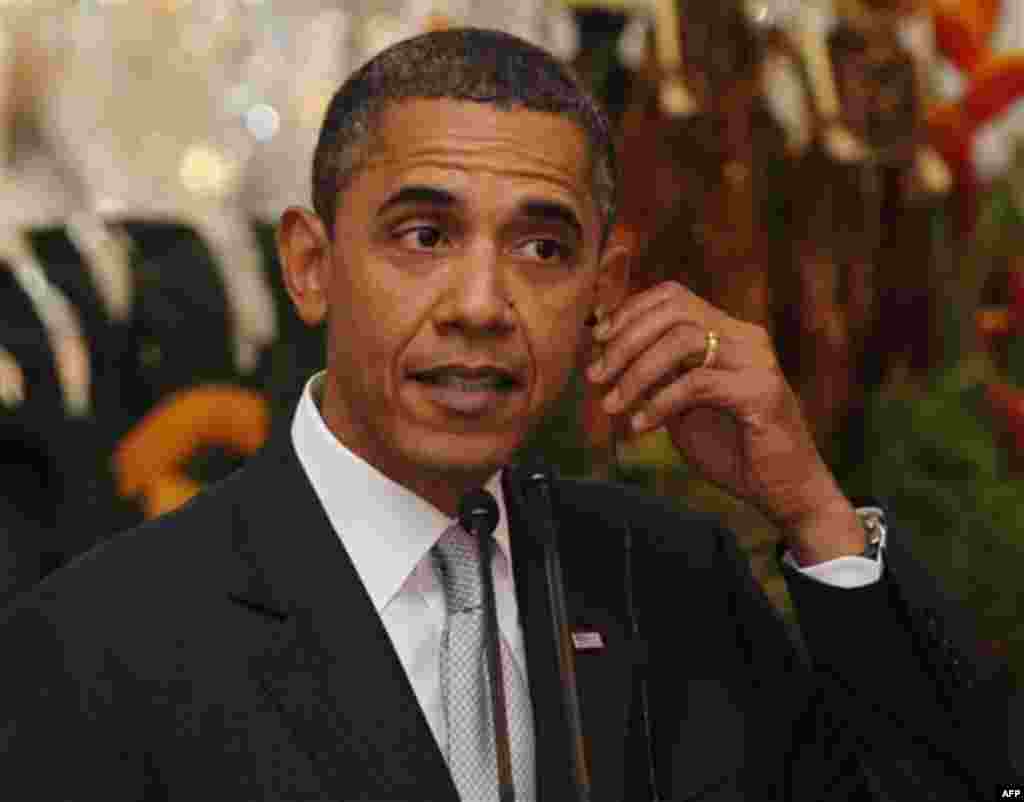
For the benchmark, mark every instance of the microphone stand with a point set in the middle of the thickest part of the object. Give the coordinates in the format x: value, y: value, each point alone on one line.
x: 481, y: 529
x: 618, y: 476
x: 645, y: 713
x: 538, y: 481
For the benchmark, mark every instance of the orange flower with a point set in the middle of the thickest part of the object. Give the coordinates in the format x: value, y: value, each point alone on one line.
x: 963, y: 33
x: 994, y: 84
x: 150, y: 460
x: 963, y: 29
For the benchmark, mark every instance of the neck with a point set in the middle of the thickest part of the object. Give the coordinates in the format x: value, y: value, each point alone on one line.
x: 445, y: 491
x: 442, y: 486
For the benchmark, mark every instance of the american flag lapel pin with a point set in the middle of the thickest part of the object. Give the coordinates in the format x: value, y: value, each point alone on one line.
x: 587, y: 640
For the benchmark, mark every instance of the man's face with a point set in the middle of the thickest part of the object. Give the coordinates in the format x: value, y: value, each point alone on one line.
x: 464, y: 261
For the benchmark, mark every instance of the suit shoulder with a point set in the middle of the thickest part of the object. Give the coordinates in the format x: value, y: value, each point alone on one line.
x: 148, y: 561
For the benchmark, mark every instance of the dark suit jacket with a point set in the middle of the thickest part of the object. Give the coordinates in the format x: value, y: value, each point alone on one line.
x: 229, y: 652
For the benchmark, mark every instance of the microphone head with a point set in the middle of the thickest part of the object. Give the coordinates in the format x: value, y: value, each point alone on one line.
x: 534, y: 471
x: 478, y: 512
x: 536, y: 478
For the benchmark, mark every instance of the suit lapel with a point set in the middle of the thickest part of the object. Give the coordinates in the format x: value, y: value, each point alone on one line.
x: 698, y: 725
x: 326, y: 660
x: 603, y: 677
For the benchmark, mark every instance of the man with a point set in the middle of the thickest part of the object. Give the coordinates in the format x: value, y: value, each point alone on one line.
x: 286, y: 636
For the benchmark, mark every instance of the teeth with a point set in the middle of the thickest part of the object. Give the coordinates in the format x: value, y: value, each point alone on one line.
x: 460, y: 383
x: 489, y: 381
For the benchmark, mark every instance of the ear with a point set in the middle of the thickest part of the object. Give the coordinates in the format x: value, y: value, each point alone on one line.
x: 613, y: 276
x: 304, y: 250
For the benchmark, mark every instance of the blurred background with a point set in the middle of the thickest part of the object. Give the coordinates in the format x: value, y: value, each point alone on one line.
x: 847, y: 173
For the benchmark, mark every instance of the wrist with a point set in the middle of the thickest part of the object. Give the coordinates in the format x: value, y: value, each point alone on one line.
x: 829, y: 531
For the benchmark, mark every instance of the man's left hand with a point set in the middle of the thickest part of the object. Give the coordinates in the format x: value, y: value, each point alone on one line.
x: 731, y: 413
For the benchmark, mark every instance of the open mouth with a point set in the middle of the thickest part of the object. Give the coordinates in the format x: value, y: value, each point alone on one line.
x: 469, y: 380
x: 463, y: 391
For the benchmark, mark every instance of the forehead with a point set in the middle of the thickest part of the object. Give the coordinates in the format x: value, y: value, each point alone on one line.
x: 514, y: 149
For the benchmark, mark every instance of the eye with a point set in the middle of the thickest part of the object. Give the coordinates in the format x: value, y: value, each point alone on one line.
x: 545, y: 249
x: 420, y: 237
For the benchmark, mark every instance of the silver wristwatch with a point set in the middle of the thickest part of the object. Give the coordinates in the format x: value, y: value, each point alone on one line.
x: 872, y: 518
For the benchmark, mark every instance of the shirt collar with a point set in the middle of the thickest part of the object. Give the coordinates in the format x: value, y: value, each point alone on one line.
x: 386, y: 528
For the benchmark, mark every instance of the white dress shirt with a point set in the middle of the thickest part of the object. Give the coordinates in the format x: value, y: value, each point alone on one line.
x: 388, y: 532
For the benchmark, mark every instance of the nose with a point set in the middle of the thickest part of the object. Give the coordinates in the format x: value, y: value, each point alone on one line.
x: 476, y: 300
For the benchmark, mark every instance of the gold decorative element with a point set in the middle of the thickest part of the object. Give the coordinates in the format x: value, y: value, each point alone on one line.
x: 675, y: 97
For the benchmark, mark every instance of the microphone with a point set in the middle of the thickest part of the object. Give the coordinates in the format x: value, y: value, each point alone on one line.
x: 653, y: 791
x: 537, y: 481
x: 538, y: 477
x: 478, y: 515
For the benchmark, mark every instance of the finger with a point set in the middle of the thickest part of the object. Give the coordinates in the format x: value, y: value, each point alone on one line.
x: 636, y: 306
x: 726, y: 391
x: 633, y: 339
x: 740, y: 346
x: 679, y: 349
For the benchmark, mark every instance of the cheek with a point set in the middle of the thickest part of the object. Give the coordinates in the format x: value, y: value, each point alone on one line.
x: 556, y: 352
x: 366, y: 331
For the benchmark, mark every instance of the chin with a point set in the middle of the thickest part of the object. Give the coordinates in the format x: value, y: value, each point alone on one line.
x: 464, y: 453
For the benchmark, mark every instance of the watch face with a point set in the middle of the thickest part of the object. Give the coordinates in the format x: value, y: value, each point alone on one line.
x: 873, y: 521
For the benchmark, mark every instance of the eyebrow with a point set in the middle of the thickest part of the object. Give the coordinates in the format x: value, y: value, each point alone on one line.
x: 417, y: 194
x: 553, y: 211
x: 531, y: 208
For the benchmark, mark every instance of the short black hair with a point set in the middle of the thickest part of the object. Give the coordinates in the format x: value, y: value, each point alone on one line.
x: 471, y: 64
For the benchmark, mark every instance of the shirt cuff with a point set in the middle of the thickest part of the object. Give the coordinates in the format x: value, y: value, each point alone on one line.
x: 851, y: 571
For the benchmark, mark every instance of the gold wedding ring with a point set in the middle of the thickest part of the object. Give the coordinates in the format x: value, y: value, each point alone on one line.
x: 711, y: 342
